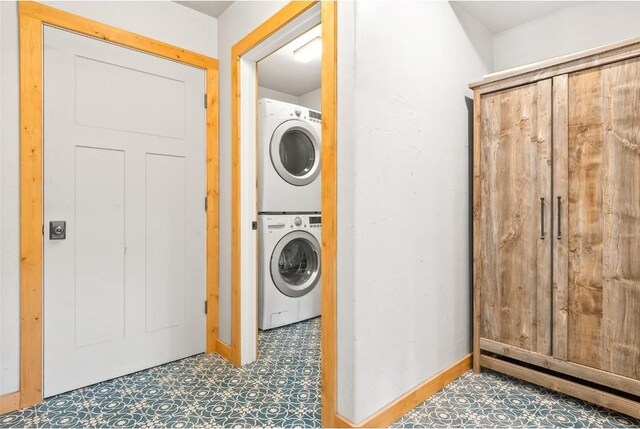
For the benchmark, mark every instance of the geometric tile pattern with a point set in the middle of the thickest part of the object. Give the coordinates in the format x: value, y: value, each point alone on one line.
x: 490, y: 399
x: 282, y: 389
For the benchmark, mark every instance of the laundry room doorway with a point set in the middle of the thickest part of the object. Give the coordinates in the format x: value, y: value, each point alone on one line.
x: 283, y: 77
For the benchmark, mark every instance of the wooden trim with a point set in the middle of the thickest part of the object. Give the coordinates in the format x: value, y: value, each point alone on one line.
x: 477, y: 266
x: 78, y: 24
x: 31, y: 192
x: 411, y: 399
x: 586, y: 373
x: 9, y: 402
x: 223, y: 349
x: 281, y: 18
x: 561, y: 65
x: 32, y: 17
x: 329, y: 192
x: 599, y: 397
x: 213, y: 197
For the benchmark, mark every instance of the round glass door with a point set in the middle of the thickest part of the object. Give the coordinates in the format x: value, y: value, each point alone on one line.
x: 295, y: 152
x: 295, y: 264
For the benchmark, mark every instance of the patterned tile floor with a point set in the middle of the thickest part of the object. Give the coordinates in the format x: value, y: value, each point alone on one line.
x: 495, y: 400
x: 282, y: 389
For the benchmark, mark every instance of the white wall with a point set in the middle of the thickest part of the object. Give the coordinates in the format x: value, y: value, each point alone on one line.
x: 236, y: 22
x: 277, y: 95
x: 163, y: 20
x: 570, y: 30
x: 403, y: 280
x: 312, y: 100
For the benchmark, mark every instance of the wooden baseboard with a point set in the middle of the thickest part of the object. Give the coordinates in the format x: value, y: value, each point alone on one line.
x: 411, y: 399
x: 224, y: 350
x: 568, y: 387
x: 9, y: 402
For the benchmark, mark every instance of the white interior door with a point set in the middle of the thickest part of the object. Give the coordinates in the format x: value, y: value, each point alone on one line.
x: 124, y: 167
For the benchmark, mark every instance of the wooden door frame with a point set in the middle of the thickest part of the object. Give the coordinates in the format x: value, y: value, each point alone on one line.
x: 32, y: 17
x: 329, y: 190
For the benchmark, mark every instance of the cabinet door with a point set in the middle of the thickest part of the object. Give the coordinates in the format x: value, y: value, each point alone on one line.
x: 513, y: 256
x: 604, y: 218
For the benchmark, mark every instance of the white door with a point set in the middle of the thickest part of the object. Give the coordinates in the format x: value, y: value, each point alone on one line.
x: 124, y: 167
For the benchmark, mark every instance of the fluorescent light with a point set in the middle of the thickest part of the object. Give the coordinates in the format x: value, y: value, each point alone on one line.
x: 303, y: 39
x: 308, y: 52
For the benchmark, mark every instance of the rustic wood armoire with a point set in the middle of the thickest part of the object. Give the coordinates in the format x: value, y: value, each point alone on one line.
x: 557, y: 224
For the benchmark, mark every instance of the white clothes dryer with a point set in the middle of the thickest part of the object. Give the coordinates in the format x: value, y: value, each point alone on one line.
x: 289, y: 139
x: 289, y: 276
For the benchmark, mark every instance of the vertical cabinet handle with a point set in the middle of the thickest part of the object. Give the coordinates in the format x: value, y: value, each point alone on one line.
x: 542, y: 233
x: 559, y: 217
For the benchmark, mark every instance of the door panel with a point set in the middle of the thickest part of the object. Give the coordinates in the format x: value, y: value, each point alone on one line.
x: 124, y: 165
x: 515, y: 265
x: 99, y: 245
x: 604, y: 218
x: 165, y: 243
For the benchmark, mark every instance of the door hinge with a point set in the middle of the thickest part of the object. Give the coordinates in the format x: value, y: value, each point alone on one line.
x: 43, y: 229
x: 206, y: 203
x: 205, y: 307
x: 205, y: 101
x: 254, y: 225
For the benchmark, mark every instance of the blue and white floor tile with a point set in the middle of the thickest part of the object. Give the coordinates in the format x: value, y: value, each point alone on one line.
x: 282, y: 389
x: 495, y: 400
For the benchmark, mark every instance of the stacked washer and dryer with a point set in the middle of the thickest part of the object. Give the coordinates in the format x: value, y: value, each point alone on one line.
x: 289, y: 221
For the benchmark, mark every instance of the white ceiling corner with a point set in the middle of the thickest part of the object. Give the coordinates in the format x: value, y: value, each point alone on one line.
x: 499, y: 16
x: 211, y: 8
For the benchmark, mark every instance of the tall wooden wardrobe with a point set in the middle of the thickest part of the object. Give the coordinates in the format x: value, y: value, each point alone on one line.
x: 557, y: 225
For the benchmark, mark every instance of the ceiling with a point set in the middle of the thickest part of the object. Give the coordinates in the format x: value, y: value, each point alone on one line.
x: 281, y: 72
x: 211, y: 8
x: 498, y: 16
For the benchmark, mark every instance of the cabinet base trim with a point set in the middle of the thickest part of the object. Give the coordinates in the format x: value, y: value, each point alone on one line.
x: 590, y: 394
x: 586, y: 373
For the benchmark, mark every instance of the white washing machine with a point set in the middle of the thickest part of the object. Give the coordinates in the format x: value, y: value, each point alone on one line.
x: 289, y: 269
x: 288, y: 157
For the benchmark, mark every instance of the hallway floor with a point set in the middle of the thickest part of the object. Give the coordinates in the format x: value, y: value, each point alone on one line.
x: 282, y: 389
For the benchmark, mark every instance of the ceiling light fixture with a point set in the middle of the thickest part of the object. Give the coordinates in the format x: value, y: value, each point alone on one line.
x: 309, y: 51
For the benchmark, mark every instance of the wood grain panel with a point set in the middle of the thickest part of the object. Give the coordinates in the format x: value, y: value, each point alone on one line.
x: 560, y: 224
x: 515, y: 253
x: 604, y: 218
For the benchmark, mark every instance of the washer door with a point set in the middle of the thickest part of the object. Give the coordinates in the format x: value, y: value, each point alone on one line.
x: 295, y: 264
x: 295, y: 152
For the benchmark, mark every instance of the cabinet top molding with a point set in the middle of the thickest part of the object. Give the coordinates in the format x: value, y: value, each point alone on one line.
x: 570, y: 63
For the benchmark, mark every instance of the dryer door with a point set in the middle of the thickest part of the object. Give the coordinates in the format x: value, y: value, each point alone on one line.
x: 295, y: 152
x: 295, y: 264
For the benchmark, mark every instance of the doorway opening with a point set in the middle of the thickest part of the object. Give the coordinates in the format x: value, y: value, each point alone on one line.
x: 283, y: 243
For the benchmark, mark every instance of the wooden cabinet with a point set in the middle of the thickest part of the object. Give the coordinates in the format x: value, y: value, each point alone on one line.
x: 515, y: 216
x: 557, y: 225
